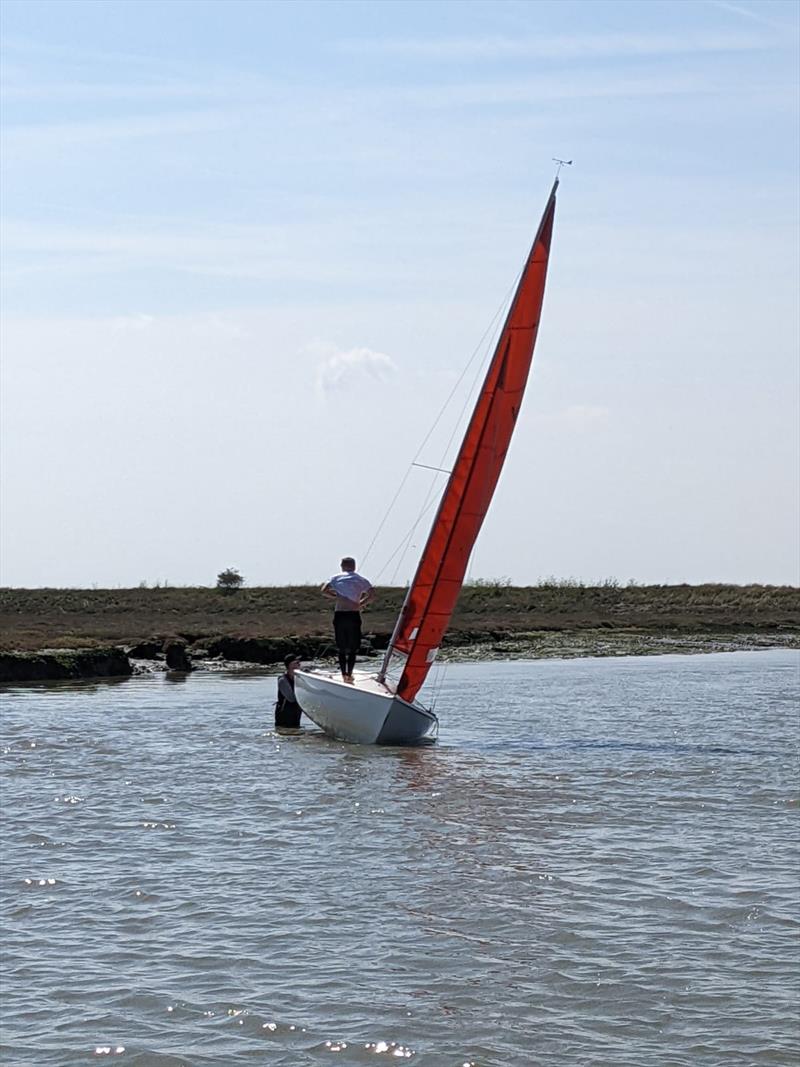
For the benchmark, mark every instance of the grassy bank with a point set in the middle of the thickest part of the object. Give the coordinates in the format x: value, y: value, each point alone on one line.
x: 32, y: 619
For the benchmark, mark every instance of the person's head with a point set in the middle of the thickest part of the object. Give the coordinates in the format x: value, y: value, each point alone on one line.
x: 348, y: 564
x: 291, y: 662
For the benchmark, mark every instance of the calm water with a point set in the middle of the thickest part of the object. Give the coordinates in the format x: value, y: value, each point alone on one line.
x: 596, y: 865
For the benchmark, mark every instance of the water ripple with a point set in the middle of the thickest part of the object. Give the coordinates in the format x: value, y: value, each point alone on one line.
x: 597, y: 865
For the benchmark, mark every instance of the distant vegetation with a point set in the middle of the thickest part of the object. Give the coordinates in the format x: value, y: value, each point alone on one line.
x: 229, y: 580
x: 68, y: 618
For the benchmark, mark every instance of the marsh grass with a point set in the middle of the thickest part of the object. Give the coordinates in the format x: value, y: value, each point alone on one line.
x: 68, y: 618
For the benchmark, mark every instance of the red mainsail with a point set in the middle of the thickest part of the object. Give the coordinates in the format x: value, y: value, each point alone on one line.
x: 433, y: 594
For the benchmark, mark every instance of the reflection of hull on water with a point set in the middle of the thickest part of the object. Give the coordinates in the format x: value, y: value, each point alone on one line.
x: 365, y: 712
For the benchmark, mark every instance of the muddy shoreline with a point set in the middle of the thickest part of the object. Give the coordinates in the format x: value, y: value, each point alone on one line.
x: 119, y: 662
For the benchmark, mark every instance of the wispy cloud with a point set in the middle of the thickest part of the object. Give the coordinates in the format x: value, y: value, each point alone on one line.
x: 20, y: 83
x: 148, y: 244
x: 562, y: 46
x: 280, y: 253
x: 49, y: 135
x: 21, y: 87
x: 133, y: 323
x: 748, y: 13
x: 254, y: 104
x: 521, y: 91
x: 29, y: 49
x: 577, y: 418
x: 339, y: 369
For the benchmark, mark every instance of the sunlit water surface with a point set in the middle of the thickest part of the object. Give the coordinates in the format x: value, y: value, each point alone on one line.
x: 596, y: 865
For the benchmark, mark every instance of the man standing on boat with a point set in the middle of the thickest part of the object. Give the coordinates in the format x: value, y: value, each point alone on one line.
x: 352, y: 592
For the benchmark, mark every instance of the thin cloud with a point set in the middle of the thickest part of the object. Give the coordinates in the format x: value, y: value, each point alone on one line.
x: 18, y: 89
x: 584, y: 414
x: 540, y: 90
x: 282, y: 253
x: 19, y: 84
x: 746, y: 12
x: 241, y: 104
x: 287, y: 255
x: 341, y: 369
x: 50, y: 135
x: 132, y: 323
x: 31, y: 49
x: 576, y: 46
x: 577, y: 418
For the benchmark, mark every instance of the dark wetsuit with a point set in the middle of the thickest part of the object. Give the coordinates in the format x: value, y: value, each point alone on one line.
x: 287, y: 710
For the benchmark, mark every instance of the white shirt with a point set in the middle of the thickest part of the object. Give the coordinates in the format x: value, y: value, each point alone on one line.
x: 349, y: 587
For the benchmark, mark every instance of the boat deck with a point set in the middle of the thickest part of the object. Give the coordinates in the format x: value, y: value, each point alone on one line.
x: 365, y: 681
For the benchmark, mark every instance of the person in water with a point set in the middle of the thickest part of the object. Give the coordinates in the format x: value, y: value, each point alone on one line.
x: 287, y: 710
x: 351, y: 592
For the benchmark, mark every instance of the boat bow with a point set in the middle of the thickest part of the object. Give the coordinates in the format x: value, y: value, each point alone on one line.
x: 364, y: 711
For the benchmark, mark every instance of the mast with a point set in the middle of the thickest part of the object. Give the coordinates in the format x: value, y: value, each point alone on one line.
x: 432, y: 595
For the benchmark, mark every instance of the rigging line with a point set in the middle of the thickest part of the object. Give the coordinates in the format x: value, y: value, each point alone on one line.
x: 477, y: 377
x: 487, y: 332
x: 428, y: 502
x: 402, y: 545
x: 480, y: 370
x: 408, y: 541
x: 382, y: 523
x: 401, y: 557
x: 405, y: 541
x: 432, y: 497
x: 427, y: 467
x: 439, y: 677
x: 438, y: 685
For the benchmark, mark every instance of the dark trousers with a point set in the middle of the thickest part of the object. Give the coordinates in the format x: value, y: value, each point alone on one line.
x: 347, y: 629
x: 287, y: 714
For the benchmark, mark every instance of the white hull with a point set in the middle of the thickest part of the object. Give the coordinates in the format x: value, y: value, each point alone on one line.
x: 364, y: 712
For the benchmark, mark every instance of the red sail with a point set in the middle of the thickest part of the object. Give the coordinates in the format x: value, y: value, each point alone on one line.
x: 440, y: 574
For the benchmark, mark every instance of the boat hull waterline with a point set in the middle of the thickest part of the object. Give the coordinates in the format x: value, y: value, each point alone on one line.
x: 363, y: 712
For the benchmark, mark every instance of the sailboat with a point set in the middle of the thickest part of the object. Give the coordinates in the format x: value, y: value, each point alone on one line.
x: 381, y: 707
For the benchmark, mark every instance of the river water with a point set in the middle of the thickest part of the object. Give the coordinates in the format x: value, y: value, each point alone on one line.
x: 596, y: 865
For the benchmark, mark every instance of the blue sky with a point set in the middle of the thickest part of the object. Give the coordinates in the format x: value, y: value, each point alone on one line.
x: 249, y: 247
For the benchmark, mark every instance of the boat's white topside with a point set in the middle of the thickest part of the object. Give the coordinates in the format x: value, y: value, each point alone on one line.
x: 364, y: 711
